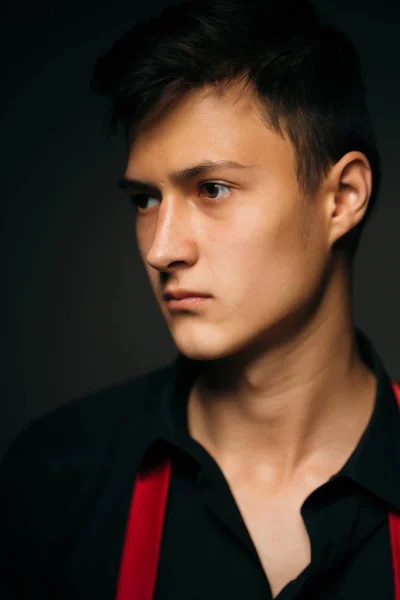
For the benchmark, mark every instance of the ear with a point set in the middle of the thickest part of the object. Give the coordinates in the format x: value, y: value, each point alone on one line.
x: 350, y: 185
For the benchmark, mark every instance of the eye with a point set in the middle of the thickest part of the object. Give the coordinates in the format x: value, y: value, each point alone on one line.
x: 139, y: 200
x: 213, y: 189
x: 210, y: 189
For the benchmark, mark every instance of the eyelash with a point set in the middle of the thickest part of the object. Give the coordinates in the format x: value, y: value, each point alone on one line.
x: 137, y: 197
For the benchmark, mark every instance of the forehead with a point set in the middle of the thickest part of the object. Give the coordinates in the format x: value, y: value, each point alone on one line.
x: 208, y: 124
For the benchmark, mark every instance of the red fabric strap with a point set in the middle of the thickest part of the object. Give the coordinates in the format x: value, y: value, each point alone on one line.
x: 141, y: 550
x: 394, y: 528
x: 138, y: 567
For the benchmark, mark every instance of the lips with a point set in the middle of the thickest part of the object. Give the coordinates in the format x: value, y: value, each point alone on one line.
x: 181, y: 294
x: 187, y: 303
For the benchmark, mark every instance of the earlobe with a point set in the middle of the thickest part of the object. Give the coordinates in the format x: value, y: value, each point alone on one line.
x: 351, y: 180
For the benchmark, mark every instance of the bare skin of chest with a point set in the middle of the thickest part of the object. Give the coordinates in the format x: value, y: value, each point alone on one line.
x: 278, y: 532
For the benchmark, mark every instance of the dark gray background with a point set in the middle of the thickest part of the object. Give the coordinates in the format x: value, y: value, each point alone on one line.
x: 77, y: 312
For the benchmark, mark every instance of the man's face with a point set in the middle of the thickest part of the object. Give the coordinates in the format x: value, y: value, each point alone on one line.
x: 245, y: 235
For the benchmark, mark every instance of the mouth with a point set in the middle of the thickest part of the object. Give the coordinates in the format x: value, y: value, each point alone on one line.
x: 187, y: 303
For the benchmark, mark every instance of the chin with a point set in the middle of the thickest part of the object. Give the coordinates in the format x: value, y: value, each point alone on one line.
x: 199, y: 353
x: 207, y: 349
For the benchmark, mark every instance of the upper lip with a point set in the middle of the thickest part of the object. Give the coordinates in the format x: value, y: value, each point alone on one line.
x: 179, y: 294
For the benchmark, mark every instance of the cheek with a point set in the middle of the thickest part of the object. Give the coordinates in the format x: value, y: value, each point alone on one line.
x: 267, y: 261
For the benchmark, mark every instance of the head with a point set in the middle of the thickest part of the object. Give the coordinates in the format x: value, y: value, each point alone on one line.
x: 253, y: 157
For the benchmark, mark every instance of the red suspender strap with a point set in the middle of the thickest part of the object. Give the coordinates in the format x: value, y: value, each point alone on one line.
x: 138, y: 567
x: 394, y: 527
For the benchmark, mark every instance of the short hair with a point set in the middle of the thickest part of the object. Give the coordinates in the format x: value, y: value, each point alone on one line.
x: 307, y: 74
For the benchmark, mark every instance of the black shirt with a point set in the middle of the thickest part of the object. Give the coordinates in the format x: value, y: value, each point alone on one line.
x: 66, y: 485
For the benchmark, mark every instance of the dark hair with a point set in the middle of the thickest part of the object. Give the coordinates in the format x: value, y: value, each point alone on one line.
x: 307, y: 74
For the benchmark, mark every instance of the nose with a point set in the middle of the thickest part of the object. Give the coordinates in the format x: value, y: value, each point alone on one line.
x: 171, y: 242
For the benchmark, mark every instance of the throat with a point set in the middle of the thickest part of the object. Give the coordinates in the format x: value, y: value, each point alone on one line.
x: 291, y: 436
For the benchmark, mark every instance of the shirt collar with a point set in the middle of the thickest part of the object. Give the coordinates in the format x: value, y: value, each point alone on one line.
x: 173, y: 414
x: 374, y: 464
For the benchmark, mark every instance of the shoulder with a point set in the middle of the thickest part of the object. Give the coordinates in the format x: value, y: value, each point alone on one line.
x: 65, y: 454
x: 86, y: 424
x: 92, y: 418
x: 62, y: 474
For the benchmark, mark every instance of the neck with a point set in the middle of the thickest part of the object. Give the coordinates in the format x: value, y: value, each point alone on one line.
x: 307, y: 399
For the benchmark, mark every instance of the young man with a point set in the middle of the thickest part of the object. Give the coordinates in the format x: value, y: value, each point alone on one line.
x: 253, y: 168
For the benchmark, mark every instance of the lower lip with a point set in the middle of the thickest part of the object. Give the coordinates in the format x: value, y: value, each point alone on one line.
x: 189, y: 302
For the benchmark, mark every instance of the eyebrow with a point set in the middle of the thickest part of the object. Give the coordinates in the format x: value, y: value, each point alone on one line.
x: 184, y: 174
